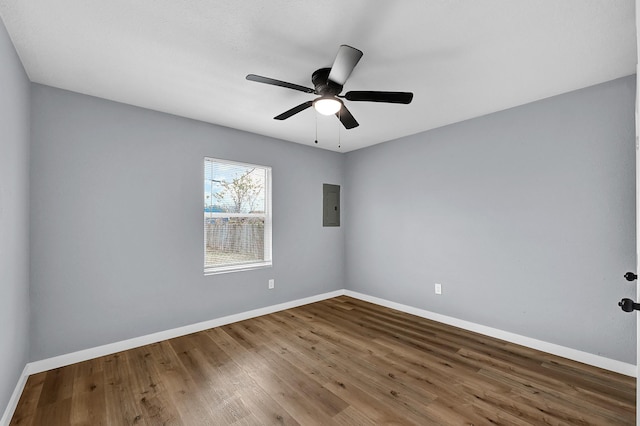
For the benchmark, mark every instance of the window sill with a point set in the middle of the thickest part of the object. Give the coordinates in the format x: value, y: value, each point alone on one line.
x: 237, y: 268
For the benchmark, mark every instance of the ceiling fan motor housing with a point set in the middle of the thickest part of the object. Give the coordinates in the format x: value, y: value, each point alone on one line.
x: 324, y: 86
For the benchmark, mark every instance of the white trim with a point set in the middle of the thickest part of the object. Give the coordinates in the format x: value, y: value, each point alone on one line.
x: 268, y: 217
x: 83, y: 355
x: 266, y: 260
x: 236, y: 163
x: 15, y: 397
x: 86, y: 354
x: 637, y: 191
x: 563, y: 351
x: 223, y: 215
x: 236, y: 267
x: 551, y: 348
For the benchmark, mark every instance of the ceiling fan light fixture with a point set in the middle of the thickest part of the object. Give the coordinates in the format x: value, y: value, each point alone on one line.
x: 327, y: 105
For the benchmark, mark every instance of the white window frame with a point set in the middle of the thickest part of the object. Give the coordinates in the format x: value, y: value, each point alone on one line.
x: 267, y: 258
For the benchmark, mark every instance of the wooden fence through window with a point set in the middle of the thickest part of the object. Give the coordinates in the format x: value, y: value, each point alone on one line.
x: 240, y: 235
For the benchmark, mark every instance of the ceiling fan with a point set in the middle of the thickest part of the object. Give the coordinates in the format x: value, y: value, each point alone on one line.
x: 328, y: 84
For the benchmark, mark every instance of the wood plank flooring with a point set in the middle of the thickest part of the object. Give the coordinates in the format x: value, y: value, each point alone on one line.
x: 337, y: 362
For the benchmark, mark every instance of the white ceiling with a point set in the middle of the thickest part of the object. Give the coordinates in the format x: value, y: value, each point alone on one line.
x: 461, y: 58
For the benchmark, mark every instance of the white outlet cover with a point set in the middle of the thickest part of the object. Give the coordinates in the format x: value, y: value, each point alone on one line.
x: 438, y: 288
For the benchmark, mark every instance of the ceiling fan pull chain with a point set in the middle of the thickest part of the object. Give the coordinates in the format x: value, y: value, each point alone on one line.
x: 339, y: 121
x: 316, y: 115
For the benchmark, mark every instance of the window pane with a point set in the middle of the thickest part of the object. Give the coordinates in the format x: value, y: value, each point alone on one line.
x: 234, y: 240
x: 237, y: 216
x: 234, y: 188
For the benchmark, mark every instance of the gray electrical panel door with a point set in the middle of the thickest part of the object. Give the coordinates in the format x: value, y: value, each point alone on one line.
x: 330, y: 205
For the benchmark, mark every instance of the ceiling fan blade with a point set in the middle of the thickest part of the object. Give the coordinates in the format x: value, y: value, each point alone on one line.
x: 372, y: 96
x: 274, y: 82
x: 343, y: 65
x: 346, y: 118
x: 293, y: 111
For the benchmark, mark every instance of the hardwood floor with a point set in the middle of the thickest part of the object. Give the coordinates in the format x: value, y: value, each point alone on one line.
x: 336, y: 362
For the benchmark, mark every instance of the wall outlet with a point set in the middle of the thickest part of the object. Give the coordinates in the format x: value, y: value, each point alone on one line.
x: 438, y: 288
x: 272, y: 284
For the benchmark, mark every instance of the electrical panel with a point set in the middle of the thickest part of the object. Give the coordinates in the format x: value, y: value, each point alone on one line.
x: 330, y: 205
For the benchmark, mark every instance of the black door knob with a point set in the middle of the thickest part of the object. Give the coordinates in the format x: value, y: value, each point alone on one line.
x: 630, y: 276
x: 628, y: 305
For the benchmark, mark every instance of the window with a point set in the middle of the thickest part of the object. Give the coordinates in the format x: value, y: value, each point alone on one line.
x: 237, y: 216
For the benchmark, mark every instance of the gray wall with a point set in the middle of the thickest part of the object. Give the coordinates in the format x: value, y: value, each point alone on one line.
x: 526, y: 217
x: 116, y: 222
x: 14, y: 217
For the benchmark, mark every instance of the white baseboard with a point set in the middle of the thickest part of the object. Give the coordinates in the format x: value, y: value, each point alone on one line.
x: 15, y: 397
x: 563, y: 351
x: 83, y: 355
x: 551, y: 348
x: 111, y: 348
